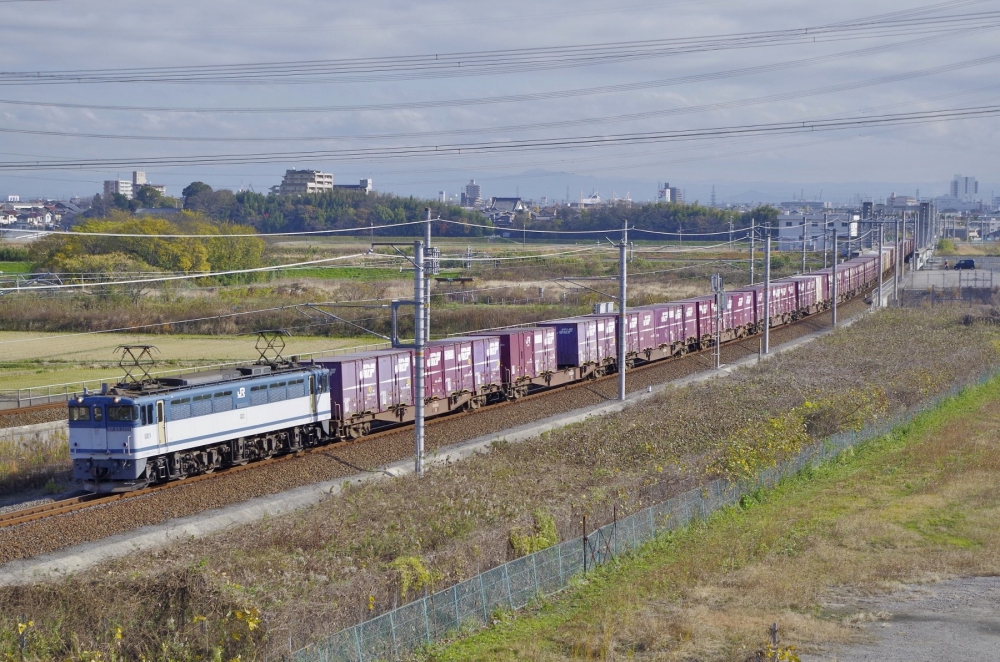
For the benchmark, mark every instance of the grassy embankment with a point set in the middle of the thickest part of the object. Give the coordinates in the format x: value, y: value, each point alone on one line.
x: 918, y: 505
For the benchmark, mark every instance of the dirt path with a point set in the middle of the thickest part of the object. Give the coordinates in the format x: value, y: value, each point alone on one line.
x: 953, y: 620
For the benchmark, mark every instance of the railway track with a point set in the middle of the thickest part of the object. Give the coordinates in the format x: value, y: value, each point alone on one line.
x: 75, y: 504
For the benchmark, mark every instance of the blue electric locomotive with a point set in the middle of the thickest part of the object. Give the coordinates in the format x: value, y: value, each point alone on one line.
x: 133, y: 435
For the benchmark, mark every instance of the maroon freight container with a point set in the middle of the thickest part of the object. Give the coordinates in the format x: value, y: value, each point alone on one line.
x: 434, y: 372
x: 705, y: 314
x: 485, y: 362
x: 353, y: 384
x: 807, y: 291
x: 395, y: 378
x: 739, y: 313
x: 461, y: 365
x: 449, y: 368
x: 640, y: 334
x: 527, y: 353
x: 782, y: 300
x: 667, y: 323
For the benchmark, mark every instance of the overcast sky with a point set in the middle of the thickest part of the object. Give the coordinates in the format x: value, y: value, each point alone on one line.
x: 87, y: 34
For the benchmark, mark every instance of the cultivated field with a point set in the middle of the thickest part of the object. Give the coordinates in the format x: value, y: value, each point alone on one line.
x: 360, y: 554
x: 33, y: 359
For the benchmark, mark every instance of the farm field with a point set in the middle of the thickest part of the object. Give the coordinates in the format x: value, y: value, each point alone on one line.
x: 912, y: 509
x: 33, y: 359
x: 15, y: 267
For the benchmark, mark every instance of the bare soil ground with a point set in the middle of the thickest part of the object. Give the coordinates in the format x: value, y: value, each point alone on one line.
x: 957, y: 619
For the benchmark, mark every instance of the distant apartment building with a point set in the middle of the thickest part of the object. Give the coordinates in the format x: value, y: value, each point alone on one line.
x: 129, y: 188
x: 815, y: 229
x: 118, y: 186
x: 305, y: 181
x: 965, y: 189
x: 472, y: 195
x: 363, y: 185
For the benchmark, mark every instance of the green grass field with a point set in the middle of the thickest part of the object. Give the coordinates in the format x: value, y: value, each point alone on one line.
x: 15, y: 267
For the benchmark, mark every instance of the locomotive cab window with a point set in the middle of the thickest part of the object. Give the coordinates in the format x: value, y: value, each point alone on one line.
x: 98, y: 413
x: 123, y: 413
x: 79, y: 413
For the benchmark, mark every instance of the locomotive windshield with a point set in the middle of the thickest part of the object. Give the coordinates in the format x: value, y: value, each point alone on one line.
x: 79, y: 413
x: 123, y: 413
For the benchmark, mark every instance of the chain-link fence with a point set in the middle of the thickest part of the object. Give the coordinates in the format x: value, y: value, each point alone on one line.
x: 473, y: 603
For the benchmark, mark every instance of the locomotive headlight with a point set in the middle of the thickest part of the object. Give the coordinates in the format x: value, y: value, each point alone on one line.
x: 79, y: 400
x: 117, y: 399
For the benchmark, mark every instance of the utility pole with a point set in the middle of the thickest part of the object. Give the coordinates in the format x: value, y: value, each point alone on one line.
x: 826, y: 228
x: 803, y: 270
x: 427, y: 278
x: 418, y: 357
x: 719, y: 290
x: 881, y: 238
x: 767, y: 292
x: 622, y: 301
x: 753, y: 232
x: 834, y: 285
x: 895, y: 264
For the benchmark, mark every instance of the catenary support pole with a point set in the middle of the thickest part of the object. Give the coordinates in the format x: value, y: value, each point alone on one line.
x: 622, y: 301
x: 895, y: 264
x: 881, y: 238
x: 753, y: 232
x: 418, y: 357
x: 767, y: 291
x: 803, y: 269
x: 427, y: 278
x: 833, y: 287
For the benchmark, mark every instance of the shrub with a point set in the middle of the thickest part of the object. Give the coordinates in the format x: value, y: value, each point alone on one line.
x: 543, y: 536
x: 412, y: 574
x: 13, y: 254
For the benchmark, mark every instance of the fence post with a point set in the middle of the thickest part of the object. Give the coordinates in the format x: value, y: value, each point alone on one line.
x: 534, y: 568
x: 506, y: 580
x: 562, y: 579
x: 392, y: 633
x: 427, y: 620
x: 454, y: 600
x: 482, y: 594
x: 357, y: 642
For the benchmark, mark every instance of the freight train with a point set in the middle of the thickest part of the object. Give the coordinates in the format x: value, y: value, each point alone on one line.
x: 137, y: 434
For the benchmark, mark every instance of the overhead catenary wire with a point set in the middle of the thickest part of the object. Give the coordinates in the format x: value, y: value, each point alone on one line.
x: 474, y: 63
x: 163, y: 279
x: 627, y: 117
x: 531, y: 145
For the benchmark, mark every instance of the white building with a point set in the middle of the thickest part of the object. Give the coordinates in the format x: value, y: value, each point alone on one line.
x: 817, y: 229
x: 119, y: 186
x: 305, y: 181
x: 965, y: 189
